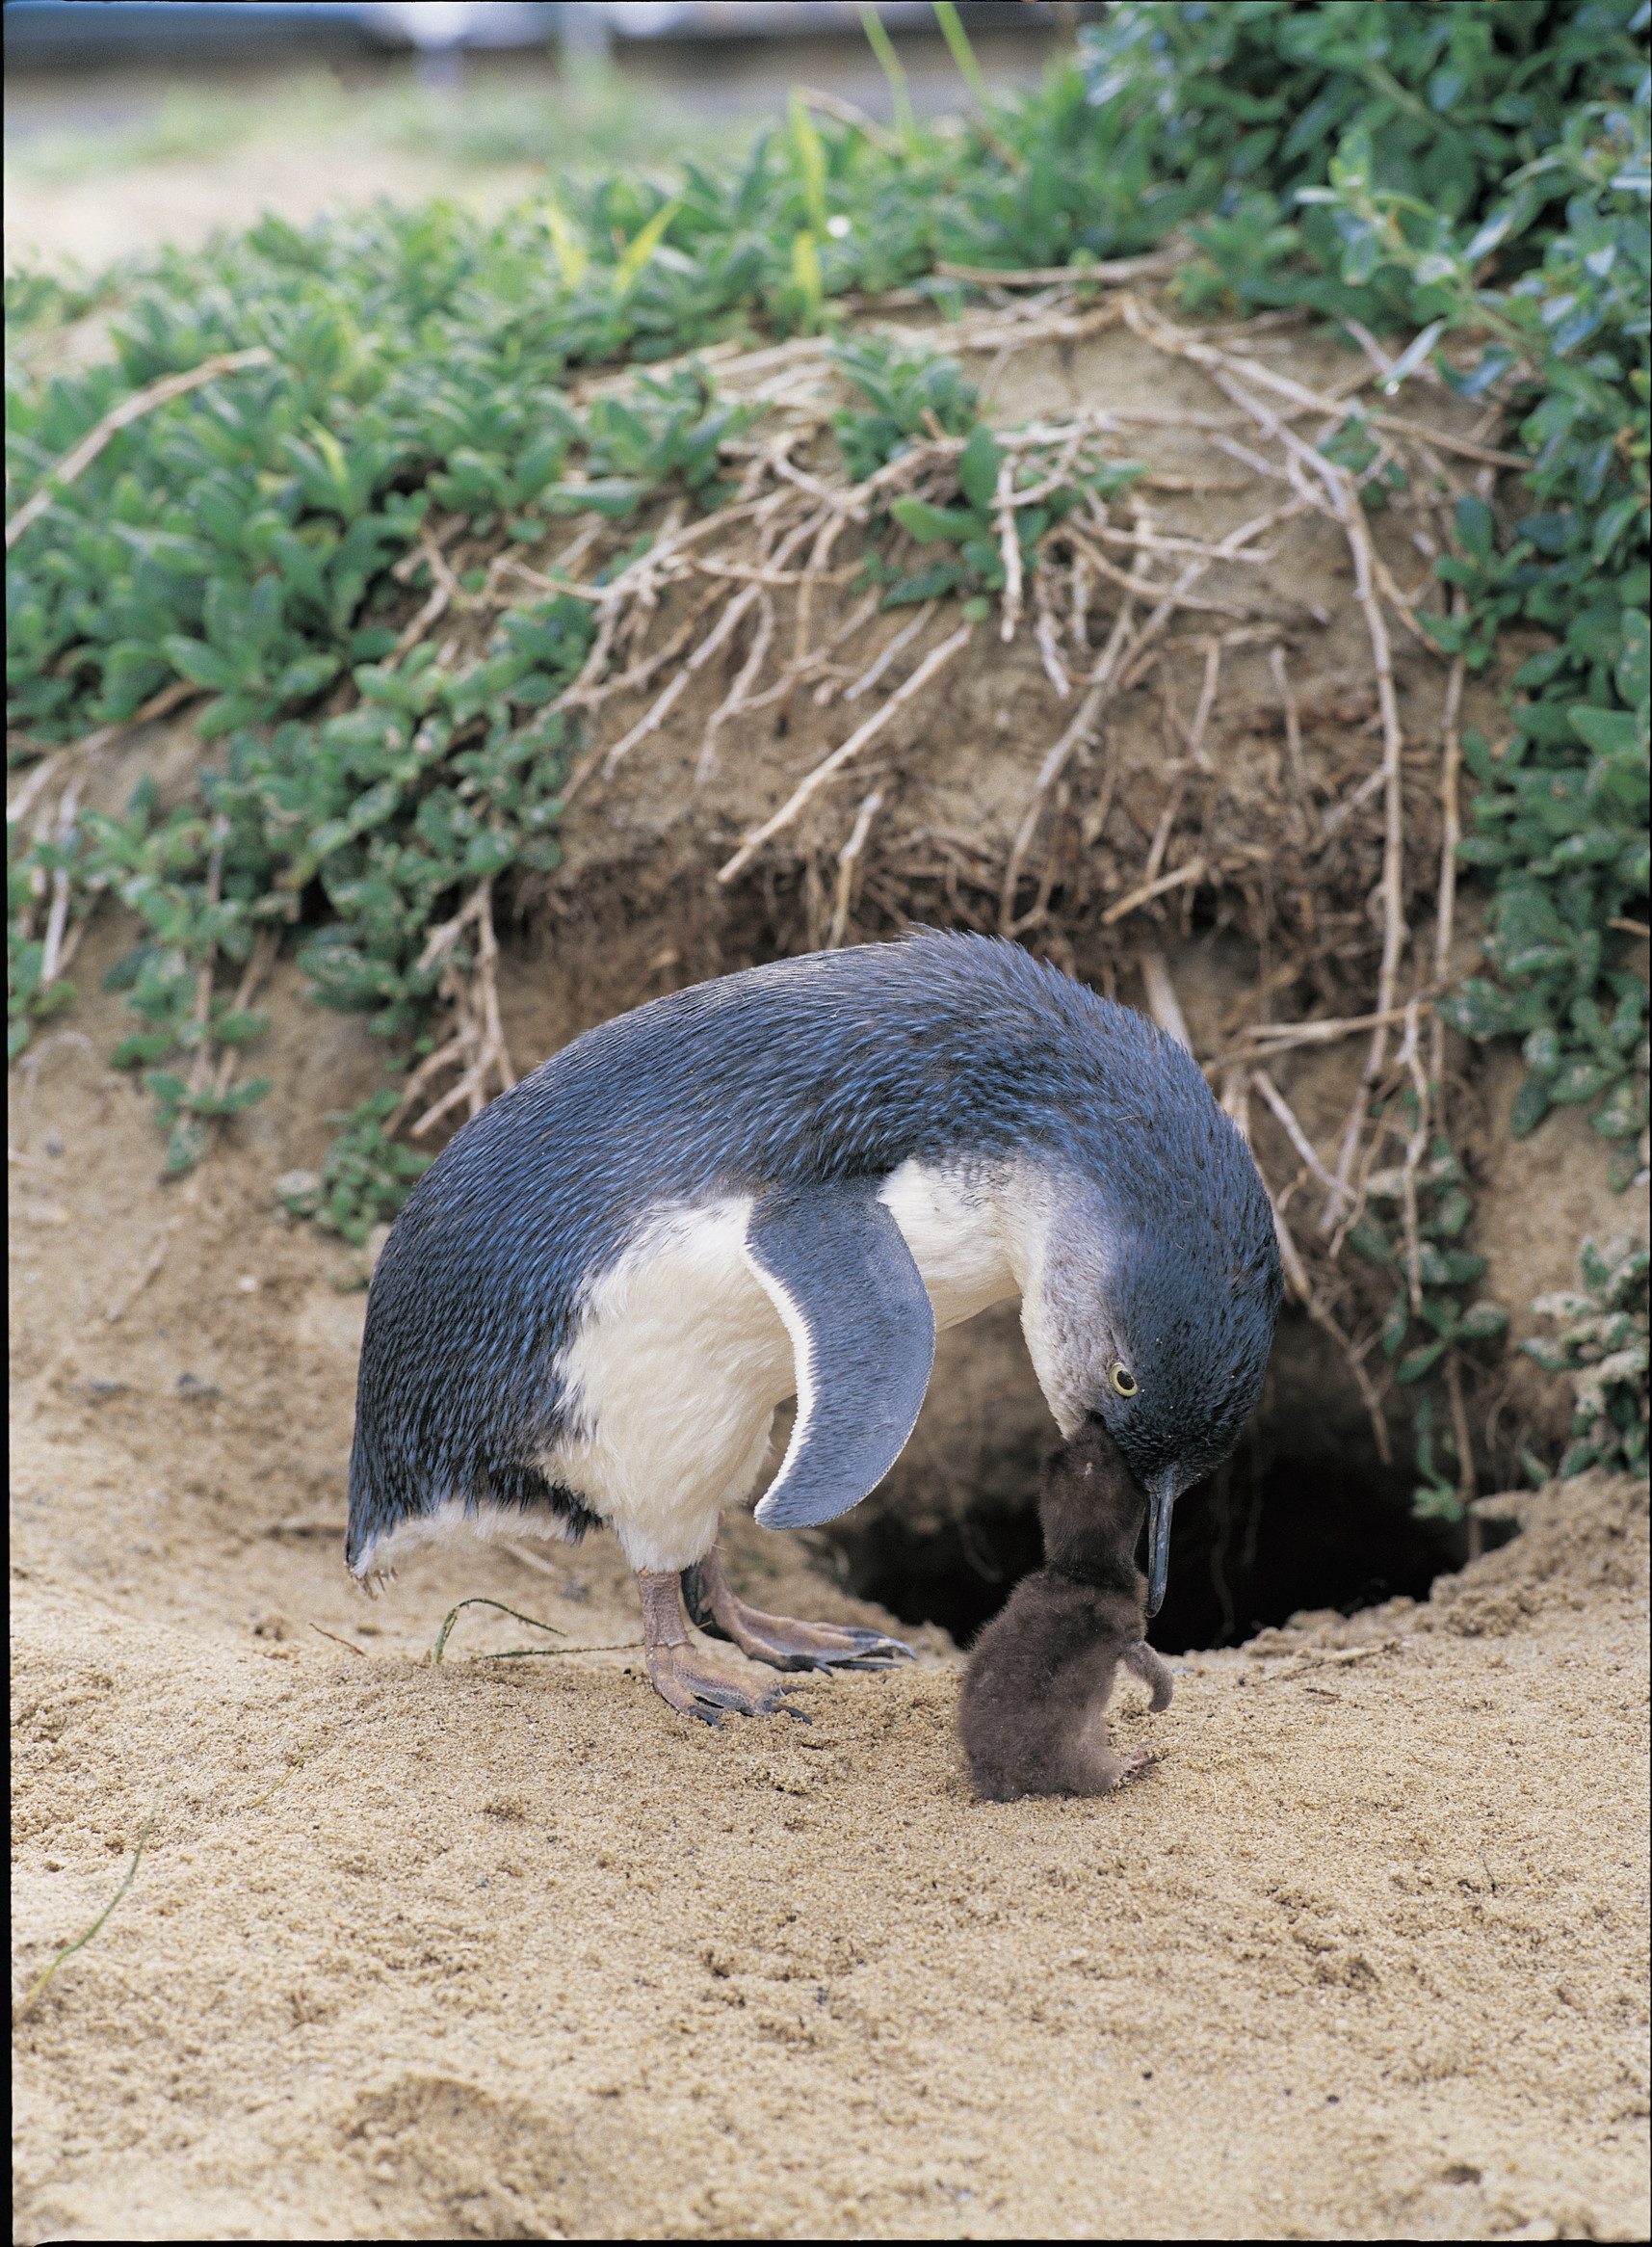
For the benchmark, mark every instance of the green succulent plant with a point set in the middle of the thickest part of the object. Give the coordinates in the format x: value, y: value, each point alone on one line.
x: 1602, y: 1346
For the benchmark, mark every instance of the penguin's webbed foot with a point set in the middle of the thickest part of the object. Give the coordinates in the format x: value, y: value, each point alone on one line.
x: 701, y: 1689
x: 776, y: 1639
x: 682, y: 1675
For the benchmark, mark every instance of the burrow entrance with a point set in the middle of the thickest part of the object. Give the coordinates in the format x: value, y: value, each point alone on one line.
x: 1248, y: 1549
x: 1306, y: 1515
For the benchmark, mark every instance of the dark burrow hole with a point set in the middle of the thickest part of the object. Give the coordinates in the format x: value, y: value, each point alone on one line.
x: 1250, y: 1546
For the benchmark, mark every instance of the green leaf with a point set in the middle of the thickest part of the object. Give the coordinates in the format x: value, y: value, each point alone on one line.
x: 927, y: 585
x: 186, y: 1144
x: 308, y: 677
x: 1437, y: 1501
x: 611, y: 495
x: 202, y: 666
x: 1477, y: 1008
x: 1451, y: 1214
x: 1416, y: 1362
x: 1477, y: 528
x: 1448, y: 1268
x: 641, y: 246
x: 329, y: 836
x: 1396, y: 1324
x: 488, y: 853
x: 240, y: 1029
x: 1597, y: 1271
x: 1633, y: 677
x: 1611, y: 522
x: 1531, y: 1103
x: 977, y: 468
x: 1623, y: 1113
x: 1629, y: 1280
x: 1579, y: 1080
x: 142, y: 1047
x: 1611, y: 733
x: 926, y: 524
x: 1366, y: 1238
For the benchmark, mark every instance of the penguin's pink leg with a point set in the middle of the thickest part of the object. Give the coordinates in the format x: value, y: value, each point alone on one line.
x: 776, y: 1638
x: 680, y: 1672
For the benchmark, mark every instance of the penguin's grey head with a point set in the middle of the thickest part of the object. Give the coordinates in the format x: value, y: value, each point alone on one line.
x: 1159, y: 1331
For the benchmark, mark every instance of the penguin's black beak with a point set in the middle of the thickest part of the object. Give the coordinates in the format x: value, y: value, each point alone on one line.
x: 1160, y: 1498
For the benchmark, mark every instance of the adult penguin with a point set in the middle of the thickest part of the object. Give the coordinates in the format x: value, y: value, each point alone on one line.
x: 782, y: 1183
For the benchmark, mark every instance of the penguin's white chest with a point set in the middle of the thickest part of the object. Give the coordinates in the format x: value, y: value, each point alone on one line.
x: 681, y: 1357
x: 671, y: 1383
x: 952, y: 1221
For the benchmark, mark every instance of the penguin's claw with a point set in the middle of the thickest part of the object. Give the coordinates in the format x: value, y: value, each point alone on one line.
x: 1127, y: 1767
x: 775, y: 1639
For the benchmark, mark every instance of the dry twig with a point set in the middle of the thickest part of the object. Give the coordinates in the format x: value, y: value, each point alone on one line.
x: 1047, y: 633
x: 898, y: 644
x: 847, y: 859
x: 847, y: 114
x: 735, y: 698
x: 1163, y: 1003
x: 1294, y: 1131
x: 1038, y: 276
x: 474, y: 995
x: 1450, y: 834
x: 1009, y: 548
x: 1192, y: 872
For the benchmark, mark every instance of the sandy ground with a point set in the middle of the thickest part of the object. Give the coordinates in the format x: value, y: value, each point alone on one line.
x: 506, y: 1950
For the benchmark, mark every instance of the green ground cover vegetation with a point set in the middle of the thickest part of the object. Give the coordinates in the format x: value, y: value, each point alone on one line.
x: 1474, y: 174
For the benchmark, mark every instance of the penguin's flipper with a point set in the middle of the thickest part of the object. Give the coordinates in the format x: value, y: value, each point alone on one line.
x: 833, y: 1262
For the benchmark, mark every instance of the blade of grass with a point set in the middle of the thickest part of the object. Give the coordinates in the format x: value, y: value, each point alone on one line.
x: 613, y: 1645
x: 642, y: 246
x: 889, y: 61
x: 81, y: 1941
x: 515, y: 1613
x: 962, y: 53
x: 975, y: 78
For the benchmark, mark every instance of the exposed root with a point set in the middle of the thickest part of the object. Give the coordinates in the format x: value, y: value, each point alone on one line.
x: 847, y: 861
x: 1195, y: 871
x: 477, y: 1046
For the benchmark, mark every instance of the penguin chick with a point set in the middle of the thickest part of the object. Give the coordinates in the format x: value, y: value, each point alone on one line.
x: 1042, y: 1670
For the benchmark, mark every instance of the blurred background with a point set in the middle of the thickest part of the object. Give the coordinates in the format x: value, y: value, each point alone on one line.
x: 133, y: 122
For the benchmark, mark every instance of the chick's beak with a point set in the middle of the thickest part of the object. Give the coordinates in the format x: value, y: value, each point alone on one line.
x: 1160, y: 1498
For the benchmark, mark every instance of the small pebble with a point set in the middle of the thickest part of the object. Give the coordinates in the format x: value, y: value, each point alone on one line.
x: 41, y: 1212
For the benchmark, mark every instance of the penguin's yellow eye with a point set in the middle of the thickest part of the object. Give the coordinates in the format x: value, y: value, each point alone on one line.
x: 1124, y: 1383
